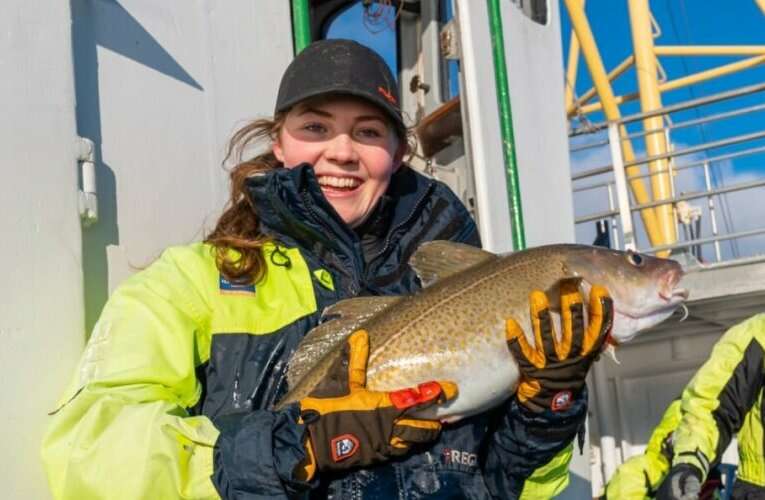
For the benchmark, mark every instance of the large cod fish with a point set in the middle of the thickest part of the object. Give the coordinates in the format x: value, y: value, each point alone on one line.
x: 454, y: 329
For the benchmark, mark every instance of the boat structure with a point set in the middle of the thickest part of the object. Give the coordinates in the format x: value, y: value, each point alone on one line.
x: 116, y: 117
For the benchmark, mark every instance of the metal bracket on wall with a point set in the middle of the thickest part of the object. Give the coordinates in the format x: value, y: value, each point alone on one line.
x: 86, y: 157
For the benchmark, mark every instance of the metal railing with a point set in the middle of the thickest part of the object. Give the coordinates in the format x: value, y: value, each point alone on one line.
x: 698, y: 227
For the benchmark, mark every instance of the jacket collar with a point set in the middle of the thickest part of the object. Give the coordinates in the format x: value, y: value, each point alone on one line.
x: 292, y: 208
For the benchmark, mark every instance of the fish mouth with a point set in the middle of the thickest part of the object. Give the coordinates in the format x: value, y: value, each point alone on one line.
x: 670, y: 303
x: 671, y: 298
x: 668, y: 289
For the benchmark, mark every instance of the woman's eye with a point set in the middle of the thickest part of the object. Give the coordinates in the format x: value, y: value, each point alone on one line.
x: 370, y: 133
x: 315, y: 127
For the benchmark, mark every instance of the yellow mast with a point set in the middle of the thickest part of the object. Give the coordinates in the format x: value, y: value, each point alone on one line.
x: 571, y: 68
x: 650, y: 100
x: 603, y: 87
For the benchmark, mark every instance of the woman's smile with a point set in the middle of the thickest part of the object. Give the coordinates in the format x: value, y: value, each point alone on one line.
x: 332, y: 185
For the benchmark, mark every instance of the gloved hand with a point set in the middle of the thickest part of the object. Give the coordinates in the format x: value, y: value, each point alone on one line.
x: 553, y: 371
x: 358, y: 427
x: 683, y: 482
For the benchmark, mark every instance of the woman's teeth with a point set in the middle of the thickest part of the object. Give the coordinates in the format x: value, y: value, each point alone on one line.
x: 339, y: 182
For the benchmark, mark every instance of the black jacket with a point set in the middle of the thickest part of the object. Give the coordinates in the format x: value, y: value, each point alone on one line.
x: 489, y: 455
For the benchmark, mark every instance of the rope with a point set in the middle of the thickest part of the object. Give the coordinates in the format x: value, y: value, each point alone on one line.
x: 377, y: 15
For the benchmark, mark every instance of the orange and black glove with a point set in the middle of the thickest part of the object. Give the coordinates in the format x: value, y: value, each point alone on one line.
x: 351, y: 426
x: 553, y: 371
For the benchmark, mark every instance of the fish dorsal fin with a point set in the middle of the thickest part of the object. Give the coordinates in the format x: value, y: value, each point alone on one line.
x: 340, y: 320
x: 436, y: 260
x: 358, y: 307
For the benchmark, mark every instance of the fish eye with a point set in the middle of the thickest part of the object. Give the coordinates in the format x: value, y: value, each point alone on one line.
x: 635, y: 259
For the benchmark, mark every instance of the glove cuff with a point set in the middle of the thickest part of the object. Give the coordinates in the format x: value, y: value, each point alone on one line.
x: 692, y: 462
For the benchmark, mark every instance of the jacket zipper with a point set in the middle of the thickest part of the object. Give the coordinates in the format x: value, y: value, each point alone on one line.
x: 355, y: 277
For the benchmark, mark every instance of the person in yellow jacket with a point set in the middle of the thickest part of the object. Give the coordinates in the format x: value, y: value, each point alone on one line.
x: 724, y: 398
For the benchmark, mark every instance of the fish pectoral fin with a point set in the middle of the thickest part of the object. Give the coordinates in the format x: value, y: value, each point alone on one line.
x: 610, y: 350
x: 436, y: 260
x: 553, y: 293
x: 314, y: 346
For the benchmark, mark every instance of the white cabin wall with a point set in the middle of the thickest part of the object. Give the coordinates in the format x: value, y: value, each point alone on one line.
x: 41, y: 301
x: 535, y: 76
x: 483, y: 141
x: 161, y: 86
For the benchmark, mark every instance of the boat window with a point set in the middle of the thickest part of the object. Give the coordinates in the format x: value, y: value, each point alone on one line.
x: 373, y: 24
x: 536, y: 10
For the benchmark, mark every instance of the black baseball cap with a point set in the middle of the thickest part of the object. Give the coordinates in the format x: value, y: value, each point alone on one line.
x: 342, y: 67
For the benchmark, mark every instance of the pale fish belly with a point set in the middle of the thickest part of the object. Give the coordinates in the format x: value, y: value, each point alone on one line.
x: 481, y: 387
x: 485, y: 373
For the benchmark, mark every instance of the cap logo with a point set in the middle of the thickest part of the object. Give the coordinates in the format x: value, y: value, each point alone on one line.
x: 387, y: 95
x: 562, y: 401
x: 344, y: 447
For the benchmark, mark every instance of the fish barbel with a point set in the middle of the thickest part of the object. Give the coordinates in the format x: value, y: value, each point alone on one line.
x: 454, y: 329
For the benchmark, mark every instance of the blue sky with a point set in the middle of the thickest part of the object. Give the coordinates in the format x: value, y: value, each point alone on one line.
x: 683, y: 22
x: 687, y: 22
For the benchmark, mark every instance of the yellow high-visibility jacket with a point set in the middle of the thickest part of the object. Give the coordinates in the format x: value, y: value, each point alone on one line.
x: 723, y: 399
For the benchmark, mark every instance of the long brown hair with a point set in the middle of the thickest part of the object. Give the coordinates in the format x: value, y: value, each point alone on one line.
x: 237, y: 238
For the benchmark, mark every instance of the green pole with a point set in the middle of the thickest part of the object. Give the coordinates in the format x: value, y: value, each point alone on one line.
x: 506, y: 125
x: 301, y: 24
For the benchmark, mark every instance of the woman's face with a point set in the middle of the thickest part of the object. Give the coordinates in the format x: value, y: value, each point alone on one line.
x: 353, y: 150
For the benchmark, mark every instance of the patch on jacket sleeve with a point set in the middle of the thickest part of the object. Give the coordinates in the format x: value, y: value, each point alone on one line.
x: 228, y: 288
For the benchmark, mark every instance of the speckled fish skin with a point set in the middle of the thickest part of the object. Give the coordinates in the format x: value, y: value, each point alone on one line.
x: 455, y: 329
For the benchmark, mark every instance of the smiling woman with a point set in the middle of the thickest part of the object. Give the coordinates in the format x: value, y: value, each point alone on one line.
x: 352, y: 146
x: 176, y: 392
x: 326, y: 213
x: 344, y: 121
